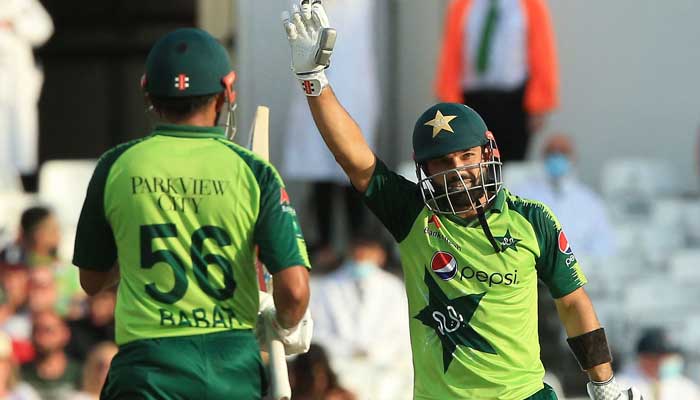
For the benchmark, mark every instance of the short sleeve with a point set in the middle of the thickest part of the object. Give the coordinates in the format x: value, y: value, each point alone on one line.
x: 277, y: 230
x: 95, y: 247
x: 557, y: 266
x: 394, y: 200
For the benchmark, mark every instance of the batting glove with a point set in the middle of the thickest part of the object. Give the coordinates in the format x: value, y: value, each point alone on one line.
x: 610, y: 390
x: 296, y: 340
x: 311, y: 40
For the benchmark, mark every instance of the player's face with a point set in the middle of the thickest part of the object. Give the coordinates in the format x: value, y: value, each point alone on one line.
x: 458, y: 171
x: 457, y: 159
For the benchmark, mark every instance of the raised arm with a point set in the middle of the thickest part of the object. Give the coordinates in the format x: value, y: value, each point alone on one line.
x: 311, y: 40
x: 343, y: 137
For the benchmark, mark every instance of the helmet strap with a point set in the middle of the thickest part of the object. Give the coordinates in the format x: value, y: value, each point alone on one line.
x: 487, y: 230
x: 231, y: 122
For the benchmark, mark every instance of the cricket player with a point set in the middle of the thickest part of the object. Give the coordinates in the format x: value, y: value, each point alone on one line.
x: 471, y: 251
x: 175, y: 218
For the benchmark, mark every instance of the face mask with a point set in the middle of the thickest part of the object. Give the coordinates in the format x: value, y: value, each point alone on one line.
x: 557, y: 165
x: 362, y: 269
x: 671, y: 367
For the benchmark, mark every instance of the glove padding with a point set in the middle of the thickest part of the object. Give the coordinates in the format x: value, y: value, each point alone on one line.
x: 610, y: 390
x: 311, y: 41
x: 296, y: 340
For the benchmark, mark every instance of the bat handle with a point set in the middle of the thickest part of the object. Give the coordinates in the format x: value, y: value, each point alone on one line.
x: 278, y: 372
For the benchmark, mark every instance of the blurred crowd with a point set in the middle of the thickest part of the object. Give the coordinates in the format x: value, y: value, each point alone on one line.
x: 55, y: 343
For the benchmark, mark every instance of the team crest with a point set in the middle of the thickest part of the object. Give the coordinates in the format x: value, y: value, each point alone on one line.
x: 507, y: 241
x: 564, y: 245
x: 444, y: 265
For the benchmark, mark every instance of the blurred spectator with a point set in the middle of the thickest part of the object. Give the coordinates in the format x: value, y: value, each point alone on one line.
x: 53, y: 374
x: 658, y: 370
x: 23, y: 24
x: 97, y: 326
x: 499, y: 57
x: 42, y: 290
x: 360, y: 316
x: 579, y: 209
x: 38, y: 241
x: 11, y: 387
x: 37, y: 246
x: 312, y: 378
x: 95, y: 371
x: 305, y: 155
x: 14, y: 316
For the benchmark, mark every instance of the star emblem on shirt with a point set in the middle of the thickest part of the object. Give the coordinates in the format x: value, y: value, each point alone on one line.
x: 441, y: 123
x: 450, y: 320
x: 507, y: 241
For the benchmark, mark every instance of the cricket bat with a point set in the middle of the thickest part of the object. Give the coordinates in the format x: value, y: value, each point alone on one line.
x: 279, y: 378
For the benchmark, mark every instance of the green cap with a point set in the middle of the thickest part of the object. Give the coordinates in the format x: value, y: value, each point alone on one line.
x: 445, y: 128
x: 186, y: 62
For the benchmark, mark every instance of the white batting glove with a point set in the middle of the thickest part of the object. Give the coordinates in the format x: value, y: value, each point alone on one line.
x: 610, y: 390
x: 311, y: 40
x: 296, y: 340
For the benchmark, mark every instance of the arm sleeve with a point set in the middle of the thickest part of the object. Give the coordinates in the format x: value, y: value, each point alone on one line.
x: 277, y: 230
x: 95, y: 247
x: 557, y: 266
x: 394, y: 200
x: 542, y: 91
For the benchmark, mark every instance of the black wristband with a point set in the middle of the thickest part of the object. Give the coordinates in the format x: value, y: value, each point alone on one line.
x: 590, y: 349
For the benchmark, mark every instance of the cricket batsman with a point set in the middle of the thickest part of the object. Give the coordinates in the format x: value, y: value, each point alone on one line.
x: 471, y: 251
x: 175, y: 218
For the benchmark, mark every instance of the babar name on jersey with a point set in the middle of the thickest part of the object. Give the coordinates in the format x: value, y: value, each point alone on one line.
x: 179, y: 194
x: 216, y: 317
x: 446, y: 266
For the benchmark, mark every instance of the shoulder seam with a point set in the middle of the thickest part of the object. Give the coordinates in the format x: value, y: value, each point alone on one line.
x: 117, y: 152
x: 239, y: 150
x: 534, y: 205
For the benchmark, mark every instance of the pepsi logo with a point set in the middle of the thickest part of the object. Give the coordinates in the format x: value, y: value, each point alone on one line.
x: 564, y: 245
x: 444, y: 265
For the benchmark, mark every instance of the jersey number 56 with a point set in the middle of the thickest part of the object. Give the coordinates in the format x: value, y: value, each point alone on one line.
x: 200, y: 262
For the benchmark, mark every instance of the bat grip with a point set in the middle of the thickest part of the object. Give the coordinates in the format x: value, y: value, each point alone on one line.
x: 278, y: 371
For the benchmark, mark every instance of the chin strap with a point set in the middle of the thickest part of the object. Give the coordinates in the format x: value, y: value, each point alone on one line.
x: 487, y: 230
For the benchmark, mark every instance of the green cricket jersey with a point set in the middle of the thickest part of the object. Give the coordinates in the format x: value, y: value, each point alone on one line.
x: 182, y: 210
x: 473, y: 311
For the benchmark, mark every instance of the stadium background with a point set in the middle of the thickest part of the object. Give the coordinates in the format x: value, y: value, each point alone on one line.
x: 628, y: 73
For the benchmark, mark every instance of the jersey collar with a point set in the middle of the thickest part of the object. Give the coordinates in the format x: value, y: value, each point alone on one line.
x: 497, y: 207
x: 190, y: 131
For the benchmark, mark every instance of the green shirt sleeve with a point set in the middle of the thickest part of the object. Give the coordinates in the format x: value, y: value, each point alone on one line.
x: 95, y: 247
x: 277, y: 230
x: 395, y: 200
x: 557, y: 266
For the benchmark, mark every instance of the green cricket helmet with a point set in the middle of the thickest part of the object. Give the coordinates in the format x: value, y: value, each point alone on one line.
x: 188, y: 62
x: 447, y: 128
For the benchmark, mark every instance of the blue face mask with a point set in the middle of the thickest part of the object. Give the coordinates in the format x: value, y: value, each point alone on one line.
x: 362, y: 269
x: 671, y: 367
x: 557, y: 165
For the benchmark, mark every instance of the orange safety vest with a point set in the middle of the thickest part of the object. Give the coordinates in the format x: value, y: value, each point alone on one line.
x: 541, y: 90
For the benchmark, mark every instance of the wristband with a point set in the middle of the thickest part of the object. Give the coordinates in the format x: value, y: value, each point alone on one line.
x: 590, y: 349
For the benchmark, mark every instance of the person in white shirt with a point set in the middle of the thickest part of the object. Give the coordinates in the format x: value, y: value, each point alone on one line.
x: 24, y: 24
x: 581, y: 211
x: 360, y: 318
x: 658, y: 369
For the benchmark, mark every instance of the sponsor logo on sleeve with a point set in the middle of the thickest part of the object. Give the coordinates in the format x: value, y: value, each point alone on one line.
x: 564, y: 245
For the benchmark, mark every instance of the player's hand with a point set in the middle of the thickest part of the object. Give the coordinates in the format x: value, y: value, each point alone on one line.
x: 295, y: 340
x: 610, y: 390
x: 311, y: 40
